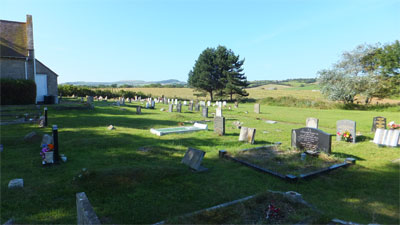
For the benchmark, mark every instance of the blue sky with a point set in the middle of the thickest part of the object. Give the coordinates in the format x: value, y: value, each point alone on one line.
x: 111, y: 40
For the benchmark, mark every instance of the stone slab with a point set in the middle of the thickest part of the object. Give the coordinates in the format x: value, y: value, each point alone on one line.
x: 219, y: 125
x: 193, y: 158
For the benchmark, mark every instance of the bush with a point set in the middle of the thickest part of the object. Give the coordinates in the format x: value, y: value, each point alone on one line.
x: 17, y: 92
x: 69, y: 90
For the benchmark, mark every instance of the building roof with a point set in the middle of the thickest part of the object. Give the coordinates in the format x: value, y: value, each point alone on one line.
x: 13, y: 39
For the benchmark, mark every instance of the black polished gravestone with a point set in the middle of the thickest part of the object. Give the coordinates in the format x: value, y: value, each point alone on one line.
x: 219, y: 125
x: 378, y: 122
x: 193, y: 158
x: 346, y: 125
x: 311, y: 139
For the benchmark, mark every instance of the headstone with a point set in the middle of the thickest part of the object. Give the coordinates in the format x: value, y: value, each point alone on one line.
x: 85, y: 212
x: 153, y: 104
x: 190, y: 107
x: 247, y: 134
x: 47, y: 139
x: 170, y: 108
x: 197, y: 107
x: 138, y: 109
x: 176, y: 101
x: 224, y: 103
x: 218, y: 112
x: 346, y: 125
x: 205, y: 112
x: 31, y: 136
x: 236, y: 104
x: 311, y: 139
x: 118, y: 103
x: 378, y: 122
x: 312, y: 122
x: 219, y: 125
x: 390, y: 137
x: 16, y: 183
x: 193, y: 159
x: 90, y: 100
x: 179, y: 108
x: 257, y: 108
x: 208, y: 103
x: 41, y: 121
x: 185, y: 102
x: 49, y: 157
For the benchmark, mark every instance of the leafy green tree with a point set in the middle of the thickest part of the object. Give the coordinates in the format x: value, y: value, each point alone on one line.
x: 218, y: 71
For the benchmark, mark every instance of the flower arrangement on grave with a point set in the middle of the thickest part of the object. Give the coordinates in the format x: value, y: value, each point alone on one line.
x: 346, y: 136
x: 272, y: 212
x: 392, y: 125
x: 46, y: 148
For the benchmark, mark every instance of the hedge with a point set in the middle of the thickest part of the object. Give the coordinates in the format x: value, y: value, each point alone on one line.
x: 17, y: 92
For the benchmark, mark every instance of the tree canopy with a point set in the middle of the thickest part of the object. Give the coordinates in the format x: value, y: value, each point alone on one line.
x: 218, y: 71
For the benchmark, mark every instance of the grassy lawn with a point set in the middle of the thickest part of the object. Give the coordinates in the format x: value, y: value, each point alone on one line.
x: 128, y: 184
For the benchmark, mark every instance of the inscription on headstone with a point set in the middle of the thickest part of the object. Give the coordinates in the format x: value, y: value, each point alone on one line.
x: 378, y: 122
x: 257, y: 108
x: 312, y: 122
x: 346, y: 125
x: 193, y: 159
x: 219, y: 125
x: 311, y: 139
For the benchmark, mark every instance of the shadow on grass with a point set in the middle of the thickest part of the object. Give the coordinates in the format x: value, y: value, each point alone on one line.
x: 344, y: 155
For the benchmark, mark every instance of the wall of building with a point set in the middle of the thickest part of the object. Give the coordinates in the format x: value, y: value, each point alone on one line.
x: 52, y: 85
x: 12, y: 68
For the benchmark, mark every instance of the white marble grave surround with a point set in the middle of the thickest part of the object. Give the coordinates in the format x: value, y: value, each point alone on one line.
x: 388, y: 137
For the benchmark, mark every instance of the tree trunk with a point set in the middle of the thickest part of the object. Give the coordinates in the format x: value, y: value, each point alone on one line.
x: 211, y: 95
x: 231, y: 95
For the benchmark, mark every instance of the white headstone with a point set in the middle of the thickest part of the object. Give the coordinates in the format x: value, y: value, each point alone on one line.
x: 218, y: 112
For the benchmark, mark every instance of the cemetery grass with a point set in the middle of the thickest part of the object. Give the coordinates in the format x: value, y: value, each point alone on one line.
x: 128, y: 184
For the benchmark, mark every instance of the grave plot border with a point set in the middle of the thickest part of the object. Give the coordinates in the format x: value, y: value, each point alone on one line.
x: 223, y: 154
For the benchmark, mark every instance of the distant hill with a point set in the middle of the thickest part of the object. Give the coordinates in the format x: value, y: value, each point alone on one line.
x: 126, y: 82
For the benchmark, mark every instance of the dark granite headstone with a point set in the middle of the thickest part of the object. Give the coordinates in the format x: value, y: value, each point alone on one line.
x: 311, y: 139
x: 219, y: 125
x: 197, y: 107
x: 139, y: 110
x: 205, y: 112
x: 170, y: 107
x: 179, y: 107
x: 346, y: 125
x: 378, y: 122
x: 193, y: 158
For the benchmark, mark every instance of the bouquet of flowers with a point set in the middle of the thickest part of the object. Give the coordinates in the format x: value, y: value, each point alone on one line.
x: 48, y: 148
x: 346, y: 136
x: 392, y: 125
x: 272, y: 212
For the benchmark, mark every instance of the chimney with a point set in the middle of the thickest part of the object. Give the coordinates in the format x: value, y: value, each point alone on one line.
x: 29, y: 32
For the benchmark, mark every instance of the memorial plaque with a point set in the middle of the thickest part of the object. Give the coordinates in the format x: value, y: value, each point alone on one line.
x: 311, y: 139
x: 190, y: 107
x: 378, y: 122
x: 179, y: 108
x: 197, y: 107
x: 247, y: 134
x: 139, y: 110
x: 218, y: 112
x: 312, y: 122
x: 219, y: 125
x: 170, y: 108
x: 346, y: 125
x: 193, y: 159
x: 205, y: 112
x: 257, y: 108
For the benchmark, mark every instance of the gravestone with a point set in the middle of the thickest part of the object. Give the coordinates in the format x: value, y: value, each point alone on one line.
x: 170, y: 108
x: 218, y: 112
x: 193, y: 159
x: 247, y: 134
x: 311, y: 139
x: 197, y: 107
x: 153, y: 104
x: 208, y: 103
x: 219, y: 125
x: 190, y: 108
x: 176, y: 101
x: 378, y: 122
x: 47, y: 139
x: 312, y: 122
x: 205, y: 112
x: 257, y: 108
x: 236, y: 104
x: 346, y: 125
x: 139, y: 110
x: 90, y: 100
x: 179, y: 108
x: 185, y: 102
x: 147, y: 105
x: 224, y: 103
x: 390, y: 137
x: 16, y: 183
x: 85, y: 211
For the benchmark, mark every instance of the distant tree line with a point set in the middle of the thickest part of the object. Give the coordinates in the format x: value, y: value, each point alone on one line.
x: 158, y: 85
x: 219, y: 73
x: 258, y: 83
x: 80, y: 91
x: 372, y: 71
